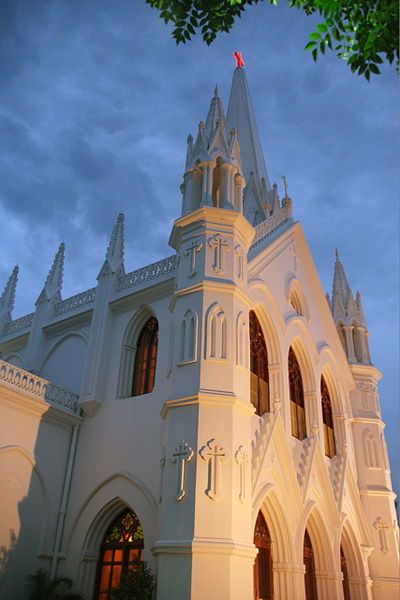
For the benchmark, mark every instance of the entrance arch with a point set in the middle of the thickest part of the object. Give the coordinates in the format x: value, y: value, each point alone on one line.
x: 263, y: 578
x: 121, y: 548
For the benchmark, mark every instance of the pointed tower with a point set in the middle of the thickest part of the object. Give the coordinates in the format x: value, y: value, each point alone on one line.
x: 258, y: 195
x: 93, y: 387
x: 373, y: 470
x: 349, y: 317
x: 213, y: 173
x: 7, y: 299
x: 53, y: 285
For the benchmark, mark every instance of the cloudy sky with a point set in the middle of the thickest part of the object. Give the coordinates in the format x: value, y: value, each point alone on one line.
x: 96, y: 102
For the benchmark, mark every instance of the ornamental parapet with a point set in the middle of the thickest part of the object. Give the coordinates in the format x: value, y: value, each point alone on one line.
x: 40, y: 388
x: 273, y: 223
x: 156, y: 270
x: 18, y: 325
x: 75, y: 302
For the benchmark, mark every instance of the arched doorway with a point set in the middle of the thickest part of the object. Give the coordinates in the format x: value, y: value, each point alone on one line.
x: 345, y: 575
x: 309, y: 575
x: 263, y: 579
x: 122, y: 546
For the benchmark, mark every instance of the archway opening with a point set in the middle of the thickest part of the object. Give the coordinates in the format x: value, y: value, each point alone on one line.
x: 345, y: 575
x: 120, y: 550
x: 310, y: 581
x: 263, y: 578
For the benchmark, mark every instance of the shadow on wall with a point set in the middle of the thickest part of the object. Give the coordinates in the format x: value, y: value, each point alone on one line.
x: 7, y: 561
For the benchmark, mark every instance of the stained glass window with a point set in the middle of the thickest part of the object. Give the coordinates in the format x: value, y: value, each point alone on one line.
x: 309, y: 575
x: 296, y: 398
x: 263, y: 581
x: 146, y: 359
x: 329, y: 435
x: 259, y: 379
x: 121, y: 549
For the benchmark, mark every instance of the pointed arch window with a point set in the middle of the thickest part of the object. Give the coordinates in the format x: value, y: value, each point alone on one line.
x: 329, y: 434
x: 259, y: 378
x: 263, y: 579
x: 345, y: 575
x: 309, y: 563
x: 121, y: 548
x: 146, y: 359
x: 296, y: 397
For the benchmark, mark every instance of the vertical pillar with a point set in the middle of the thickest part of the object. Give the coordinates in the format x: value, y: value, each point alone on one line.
x: 227, y: 186
x: 239, y: 184
x: 206, y: 191
x: 348, y: 332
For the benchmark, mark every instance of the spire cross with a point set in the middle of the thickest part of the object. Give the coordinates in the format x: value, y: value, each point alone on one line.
x: 213, y: 453
x: 239, y: 59
x: 183, y: 454
x: 285, y: 183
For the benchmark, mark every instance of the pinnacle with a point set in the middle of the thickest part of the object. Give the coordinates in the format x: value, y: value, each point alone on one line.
x: 7, y: 299
x: 55, y: 277
x: 115, y: 250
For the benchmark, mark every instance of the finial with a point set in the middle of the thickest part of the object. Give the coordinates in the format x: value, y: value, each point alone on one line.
x: 336, y: 254
x: 115, y: 250
x: 189, y: 139
x: 55, y: 277
x: 275, y: 186
x: 239, y: 60
x: 216, y: 91
x: 285, y: 183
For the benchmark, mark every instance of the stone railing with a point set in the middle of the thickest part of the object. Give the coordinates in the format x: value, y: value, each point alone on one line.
x: 148, y: 273
x: 74, y: 302
x: 18, y: 325
x: 272, y: 223
x: 41, y: 388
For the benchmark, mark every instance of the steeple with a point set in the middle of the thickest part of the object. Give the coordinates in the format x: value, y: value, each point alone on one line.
x: 53, y: 284
x: 241, y: 117
x: 115, y: 250
x: 7, y: 299
x: 349, y: 317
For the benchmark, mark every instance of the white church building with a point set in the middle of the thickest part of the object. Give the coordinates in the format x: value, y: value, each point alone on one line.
x: 215, y: 413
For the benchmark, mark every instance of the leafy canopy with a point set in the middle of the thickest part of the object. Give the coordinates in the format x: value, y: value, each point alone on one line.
x: 365, y: 33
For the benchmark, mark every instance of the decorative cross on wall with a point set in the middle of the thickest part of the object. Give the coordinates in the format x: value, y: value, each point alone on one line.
x: 219, y: 245
x: 182, y: 455
x: 213, y: 453
x: 191, y: 250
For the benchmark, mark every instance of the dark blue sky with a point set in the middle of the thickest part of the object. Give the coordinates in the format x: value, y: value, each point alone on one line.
x: 96, y: 102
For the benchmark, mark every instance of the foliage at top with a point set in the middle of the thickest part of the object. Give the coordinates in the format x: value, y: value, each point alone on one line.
x: 364, y: 34
x: 41, y: 587
x: 137, y: 584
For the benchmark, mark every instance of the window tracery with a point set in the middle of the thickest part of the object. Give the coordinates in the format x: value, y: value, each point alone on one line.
x: 297, y: 412
x: 146, y: 359
x: 259, y: 377
x: 329, y: 434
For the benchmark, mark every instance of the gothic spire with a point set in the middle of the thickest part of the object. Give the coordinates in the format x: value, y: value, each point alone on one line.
x: 215, y: 117
x: 344, y: 306
x: 115, y: 250
x: 241, y: 117
x: 7, y: 299
x: 55, y: 277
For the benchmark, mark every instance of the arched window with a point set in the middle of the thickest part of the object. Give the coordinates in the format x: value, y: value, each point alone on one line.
x: 329, y: 435
x: 259, y: 380
x: 296, y: 398
x: 146, y: 359
x: 309, y: 575
x: 345, y: 575
x: 263, y: 580
x: 121, y: 548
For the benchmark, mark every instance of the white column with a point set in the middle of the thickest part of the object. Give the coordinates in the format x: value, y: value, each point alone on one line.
x: 227, y: 186
x: 239, y: 183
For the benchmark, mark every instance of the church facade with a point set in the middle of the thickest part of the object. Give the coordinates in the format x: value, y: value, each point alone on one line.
x: 215, y: 414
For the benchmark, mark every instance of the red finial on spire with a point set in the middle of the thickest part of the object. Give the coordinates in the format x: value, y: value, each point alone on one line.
x: 239, y: 59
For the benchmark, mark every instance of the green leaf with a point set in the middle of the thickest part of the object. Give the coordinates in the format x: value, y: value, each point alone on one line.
x: 315, y: 35
x: 374, y: 69
x: 310, y: 45
x: 322, y: 27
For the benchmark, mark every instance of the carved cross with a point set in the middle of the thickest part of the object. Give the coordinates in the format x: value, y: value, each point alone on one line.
x: 182, y: 455
x: 381, y: 526
x: 191, y: 251
x: 219, y: 245
x: 214, y: 454
x: 242, y: 459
